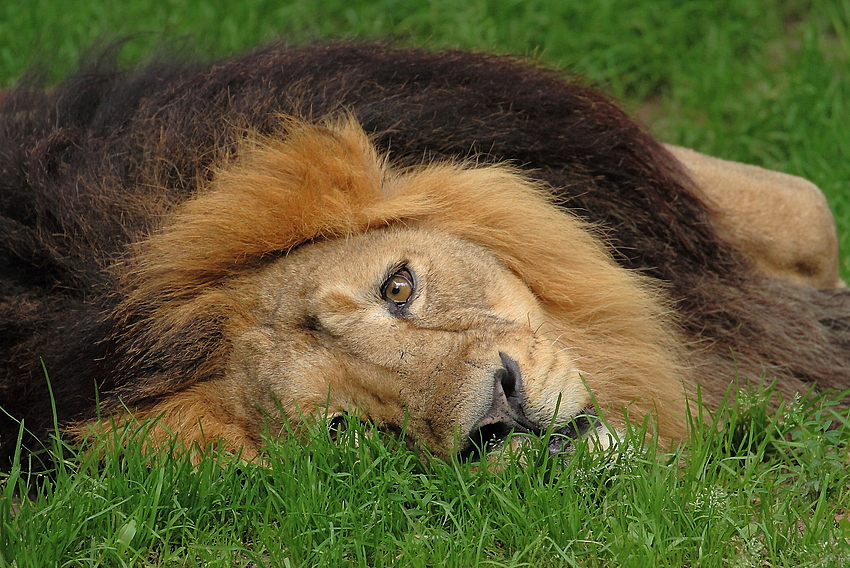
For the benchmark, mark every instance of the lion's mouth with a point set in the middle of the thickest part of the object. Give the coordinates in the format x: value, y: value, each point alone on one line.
x: 492, y: 437
x: 506, y: 419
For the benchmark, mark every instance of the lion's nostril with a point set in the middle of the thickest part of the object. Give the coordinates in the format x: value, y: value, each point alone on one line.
x: 506, y: 381
x: 509, y: 377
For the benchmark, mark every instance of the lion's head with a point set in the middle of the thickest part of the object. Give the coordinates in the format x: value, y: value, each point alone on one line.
x: 452, y: 301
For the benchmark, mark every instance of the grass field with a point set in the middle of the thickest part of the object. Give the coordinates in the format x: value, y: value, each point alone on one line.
x: 757, y: 493
x: 766, y: 82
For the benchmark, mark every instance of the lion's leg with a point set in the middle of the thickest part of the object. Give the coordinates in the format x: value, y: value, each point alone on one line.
x: 781, y: 222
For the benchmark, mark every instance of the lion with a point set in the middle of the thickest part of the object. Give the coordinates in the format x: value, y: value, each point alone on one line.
x: 458, y: 248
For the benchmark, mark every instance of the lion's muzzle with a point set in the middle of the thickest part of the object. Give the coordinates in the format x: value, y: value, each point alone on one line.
x: 506, y: 416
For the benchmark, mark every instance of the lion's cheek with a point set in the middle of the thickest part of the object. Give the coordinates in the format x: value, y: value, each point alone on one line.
x: 306, y: 374
x: 429, y: 385
x: 556, y: 397
x: 434, y: 384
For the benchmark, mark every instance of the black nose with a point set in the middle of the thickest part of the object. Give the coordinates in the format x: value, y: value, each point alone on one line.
x: 505, y: 414
x: 510, y: 379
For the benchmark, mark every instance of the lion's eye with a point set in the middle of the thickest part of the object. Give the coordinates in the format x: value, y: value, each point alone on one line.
x: 399, y: 287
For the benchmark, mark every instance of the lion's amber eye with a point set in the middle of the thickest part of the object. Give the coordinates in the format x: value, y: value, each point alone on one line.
x: 399, y: 287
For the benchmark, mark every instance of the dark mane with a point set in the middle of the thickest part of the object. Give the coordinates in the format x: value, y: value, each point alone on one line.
x: 91, y: 166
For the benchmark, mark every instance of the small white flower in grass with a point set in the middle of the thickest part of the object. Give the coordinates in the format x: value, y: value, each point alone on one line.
x: 711, y: 502
x: 792, y: 412
x: 831, y: 560
x: 585, y: 480
x: 750, y: 554
x: 620, y: 465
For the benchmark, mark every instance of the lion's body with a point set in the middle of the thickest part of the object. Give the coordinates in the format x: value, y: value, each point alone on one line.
x: 205, y: 321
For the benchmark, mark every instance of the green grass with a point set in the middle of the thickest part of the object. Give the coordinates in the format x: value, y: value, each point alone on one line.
x: 760, y: 81
x: 761, y: 492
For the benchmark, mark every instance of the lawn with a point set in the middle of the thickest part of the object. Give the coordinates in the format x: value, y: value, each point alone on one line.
x: 756, y: 493
x: 766, y: 82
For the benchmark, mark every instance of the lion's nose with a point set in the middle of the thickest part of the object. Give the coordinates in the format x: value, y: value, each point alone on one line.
x: 505, y: 414
x: 507, y: 389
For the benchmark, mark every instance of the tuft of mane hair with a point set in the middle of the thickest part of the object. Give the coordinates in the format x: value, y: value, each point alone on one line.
x: 119, y: 218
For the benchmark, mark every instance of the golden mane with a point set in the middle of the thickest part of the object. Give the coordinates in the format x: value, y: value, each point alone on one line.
x: 327, y: 181
x: 170, y: 249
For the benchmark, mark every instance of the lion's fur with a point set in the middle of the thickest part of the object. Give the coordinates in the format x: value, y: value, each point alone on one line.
x: 328, y: 183
x: 793, y: 239
x: 138, y: 213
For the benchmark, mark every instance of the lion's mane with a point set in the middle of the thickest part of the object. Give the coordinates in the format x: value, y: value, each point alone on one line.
x: 89, y: 170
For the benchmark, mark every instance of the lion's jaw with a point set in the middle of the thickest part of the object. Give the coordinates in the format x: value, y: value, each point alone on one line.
x: 326, y: 342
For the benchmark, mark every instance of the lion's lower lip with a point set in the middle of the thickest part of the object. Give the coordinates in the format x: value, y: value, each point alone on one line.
x: 561, y: 440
